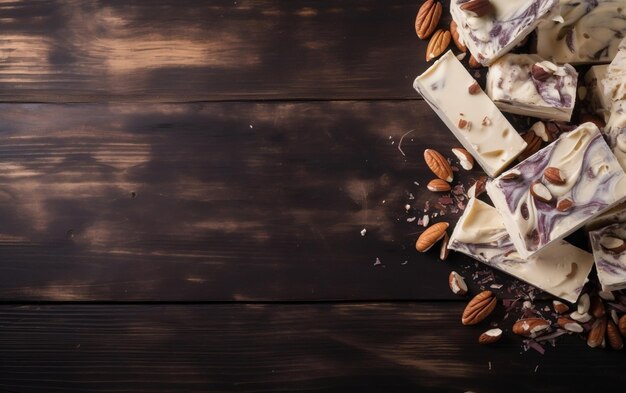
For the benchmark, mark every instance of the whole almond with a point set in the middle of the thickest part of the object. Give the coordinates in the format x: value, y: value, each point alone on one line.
x: 443, y: 251
x: 479, y: 308
x: 596, y: 308
x: 513, y: 174
x: 560, y: 307
x: 465, y: 159
x: 438, y: 43
x: 564, y: 205
x: 597, y: 332
x: 613, y: 336
x: 613, y: 244
x: 438, y: 185
x: 490, y: 336
x: 533, y: 143
x: 477, y: 8
x: 530, y: 327
x: 474, y: 88
x: 540, y: 192
x: 554, y: 175
x: 569, y: 325
x: 438, y: 164
x: 473, y: 63
x: 457, y: 283
x: 622, y: 325
x: 427, y: 18
x: 430, y: 236
x: 454, y: 32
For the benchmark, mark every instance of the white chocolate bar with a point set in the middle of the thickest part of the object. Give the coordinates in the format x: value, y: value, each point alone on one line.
x: 528, y: 85
x: 473, y: 118
x: 614, y: 82
x: 600, y: 104
x: 537, y: 210
x: 561, y: 269
x: 589, y: 33
x: 610, y: 258
x: 491, y: 36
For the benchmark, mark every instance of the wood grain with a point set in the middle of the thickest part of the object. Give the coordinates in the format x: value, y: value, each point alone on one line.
x: 228, y: 201
x: 270, y: 348
x: 180, y: 51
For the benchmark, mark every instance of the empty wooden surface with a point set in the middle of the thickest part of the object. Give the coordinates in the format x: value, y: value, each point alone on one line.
x: 180, y: 51
x: 183, y: 186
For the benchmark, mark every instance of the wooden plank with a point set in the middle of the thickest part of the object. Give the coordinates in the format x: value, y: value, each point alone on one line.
x: 222, y: 201
x: 180, y: 51
x: 270, y: 348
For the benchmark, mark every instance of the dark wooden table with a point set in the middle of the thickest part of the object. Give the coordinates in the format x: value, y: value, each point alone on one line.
x: 182, y: 189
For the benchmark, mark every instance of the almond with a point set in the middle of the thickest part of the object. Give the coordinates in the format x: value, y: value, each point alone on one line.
x: 427, y: 18
x: 457, y: 283
x: 511, y: 175
x: 540, y: 192
x: 614, y: 317
x: 613, y: 336
x: 438, y: 185
x: 430, y: 236
x: 533, y: 143
x: 530, y: 327
x: 478, y: 8
x: 477, y: 188
x: 474, y: 88
x: 540, y: 72
x: 560, y: 307
x: 479, y: 308
x: 607, y: 295
x: 580, y: 317
x: 490, y: 336
x: 597, y: 332
x: 464, y: 124
x: 438, y: 164
x: 622, y: 325
x: 465, y: 159
x: 473, y: 63
x: 596, y: 308
x: 554, y: 176
x: 564, y: 205
x: 539, y: 128
x: 569, y: 325
x: 584, y: 302
x: 443, y: 251
x: 454, y: 32
x: 438, y: 43
x: 613, y: 244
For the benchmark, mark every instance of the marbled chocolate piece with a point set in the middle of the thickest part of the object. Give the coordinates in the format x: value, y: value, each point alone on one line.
x: 528, y: 85
x: 615, y: 131
x: 491, y: 36
x: 609, y: 253
x: 471, y: 116
x: 590, y: 33
x: 558, y: 189
x: 614, y: 82
x: 561, y: 269
x: 599, y: 103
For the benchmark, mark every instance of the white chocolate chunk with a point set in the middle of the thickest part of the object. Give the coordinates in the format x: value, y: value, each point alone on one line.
x: 614, y: 82
x: 589, y: 34
x: 610, y: 262
x: 473, y: 118
x: 594, y: 183
x: 600, y: 104
x: 514, y: 87
x: 560, y: 269
x: 491, y: 36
